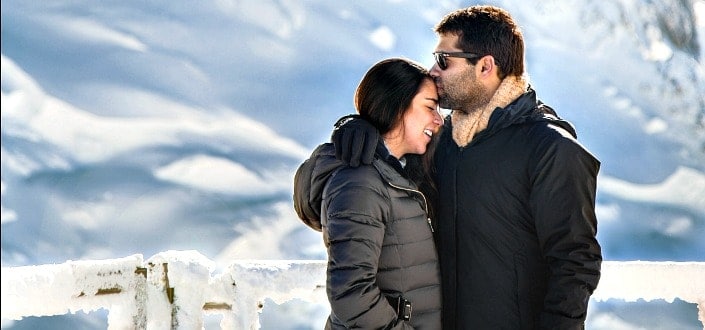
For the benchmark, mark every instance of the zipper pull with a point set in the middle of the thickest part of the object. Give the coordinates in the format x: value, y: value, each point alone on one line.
x: 429, y: 224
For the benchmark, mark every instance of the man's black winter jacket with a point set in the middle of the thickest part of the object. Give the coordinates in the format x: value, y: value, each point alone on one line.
x: 516, y: 223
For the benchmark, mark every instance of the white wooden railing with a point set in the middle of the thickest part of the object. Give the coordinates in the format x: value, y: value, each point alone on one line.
x: 175, y: 289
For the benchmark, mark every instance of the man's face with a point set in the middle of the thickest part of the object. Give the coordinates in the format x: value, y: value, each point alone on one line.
x: 458, y: 86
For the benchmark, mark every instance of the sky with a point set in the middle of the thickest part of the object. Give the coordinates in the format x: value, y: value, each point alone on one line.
x: 138, y: 128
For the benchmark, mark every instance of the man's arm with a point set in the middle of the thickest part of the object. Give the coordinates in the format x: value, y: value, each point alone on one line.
x: 563, y: 202
x: 355, y: 140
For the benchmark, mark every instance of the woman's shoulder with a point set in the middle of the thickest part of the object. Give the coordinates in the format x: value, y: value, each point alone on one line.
x: 363, y: 175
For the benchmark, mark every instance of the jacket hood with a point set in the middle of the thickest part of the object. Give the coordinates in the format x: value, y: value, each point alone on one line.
x: 311, y: 178
x: 309, y: 181
x: 514, y: 102
x: 525, y: 109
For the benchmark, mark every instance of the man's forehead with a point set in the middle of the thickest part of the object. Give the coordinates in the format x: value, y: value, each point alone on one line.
x: 447, y: 42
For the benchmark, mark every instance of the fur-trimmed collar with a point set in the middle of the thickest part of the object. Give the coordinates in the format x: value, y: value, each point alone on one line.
x: 467, y: 124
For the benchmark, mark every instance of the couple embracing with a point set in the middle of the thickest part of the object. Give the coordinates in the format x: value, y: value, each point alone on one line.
x: 484, y: 219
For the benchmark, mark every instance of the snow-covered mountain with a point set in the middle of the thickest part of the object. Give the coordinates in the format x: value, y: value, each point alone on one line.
x: 140, y: 127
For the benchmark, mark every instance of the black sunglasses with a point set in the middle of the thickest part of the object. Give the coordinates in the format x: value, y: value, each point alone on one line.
x: 441, y: 57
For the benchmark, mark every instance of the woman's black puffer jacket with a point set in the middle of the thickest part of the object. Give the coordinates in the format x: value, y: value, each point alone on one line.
x: 380, y: 243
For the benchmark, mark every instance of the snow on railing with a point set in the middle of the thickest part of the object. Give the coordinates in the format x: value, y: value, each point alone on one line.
x: 175, y: 289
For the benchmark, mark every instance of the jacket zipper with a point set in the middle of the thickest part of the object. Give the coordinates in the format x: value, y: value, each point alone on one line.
x: 425, y: 202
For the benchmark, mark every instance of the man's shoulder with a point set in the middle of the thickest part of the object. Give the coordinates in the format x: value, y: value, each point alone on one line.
x: 549, y: 135
x: 551, y: 128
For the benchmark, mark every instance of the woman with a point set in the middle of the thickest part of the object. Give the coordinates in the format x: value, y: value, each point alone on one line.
x: 383, y: 268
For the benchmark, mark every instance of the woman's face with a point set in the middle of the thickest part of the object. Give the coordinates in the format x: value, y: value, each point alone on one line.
x: 420, y: 121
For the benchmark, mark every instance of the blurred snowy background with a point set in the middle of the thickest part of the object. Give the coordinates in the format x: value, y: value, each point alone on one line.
x: 146, y: 126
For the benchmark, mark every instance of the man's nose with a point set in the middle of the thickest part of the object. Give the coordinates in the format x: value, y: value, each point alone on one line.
x: 435, y: 70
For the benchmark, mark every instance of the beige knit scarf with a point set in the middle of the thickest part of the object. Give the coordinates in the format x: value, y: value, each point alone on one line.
x: 467, y: 124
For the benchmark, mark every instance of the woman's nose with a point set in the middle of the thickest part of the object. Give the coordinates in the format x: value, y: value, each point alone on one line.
x: 438, y: 118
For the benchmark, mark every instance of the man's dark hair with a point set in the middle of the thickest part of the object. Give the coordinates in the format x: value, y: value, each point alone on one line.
x: 487, y: 30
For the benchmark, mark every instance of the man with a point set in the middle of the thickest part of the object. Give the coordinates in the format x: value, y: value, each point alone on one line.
x: 515, y: 213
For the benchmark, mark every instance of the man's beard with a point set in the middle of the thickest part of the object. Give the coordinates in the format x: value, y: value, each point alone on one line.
x: 445, y: 102
x: 474, y: 98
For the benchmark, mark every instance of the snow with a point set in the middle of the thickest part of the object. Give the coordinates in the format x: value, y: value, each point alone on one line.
x: 684, y: 188
x: 136, y: 128
x: 171, y: 288
x: 65, y: 288
x: 177, y: 288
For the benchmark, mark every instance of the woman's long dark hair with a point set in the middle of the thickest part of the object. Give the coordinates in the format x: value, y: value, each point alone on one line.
x: 386, y: 91
x: 383, y: 95
x: 420, y: 169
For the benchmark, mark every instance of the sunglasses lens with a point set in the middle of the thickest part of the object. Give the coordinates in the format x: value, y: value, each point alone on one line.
x: 440, y: 60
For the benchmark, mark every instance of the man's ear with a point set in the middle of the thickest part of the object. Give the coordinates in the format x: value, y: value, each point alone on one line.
x: 487, y: 65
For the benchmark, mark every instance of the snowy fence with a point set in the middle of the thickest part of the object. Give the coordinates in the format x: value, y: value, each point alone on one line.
x: 175, y: 289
